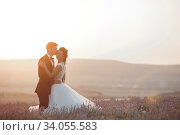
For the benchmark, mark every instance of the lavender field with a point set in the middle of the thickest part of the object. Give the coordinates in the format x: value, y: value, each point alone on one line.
x: 134, y: 108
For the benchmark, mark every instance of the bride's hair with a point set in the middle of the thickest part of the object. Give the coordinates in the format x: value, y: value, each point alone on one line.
x: 65, y: 53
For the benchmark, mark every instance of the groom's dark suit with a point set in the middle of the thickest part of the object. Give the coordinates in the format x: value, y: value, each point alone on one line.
x: 43, y: 88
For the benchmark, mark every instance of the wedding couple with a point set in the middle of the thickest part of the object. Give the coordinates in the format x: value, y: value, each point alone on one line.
x: 51, y: 89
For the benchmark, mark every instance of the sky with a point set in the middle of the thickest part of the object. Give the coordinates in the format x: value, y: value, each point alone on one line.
x: 135, y: 31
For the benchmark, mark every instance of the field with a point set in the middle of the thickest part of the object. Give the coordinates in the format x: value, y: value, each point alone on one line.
x: 131, y: 108
x: 122, y: 90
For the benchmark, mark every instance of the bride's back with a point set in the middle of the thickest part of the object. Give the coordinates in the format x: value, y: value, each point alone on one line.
x: 61, y: 73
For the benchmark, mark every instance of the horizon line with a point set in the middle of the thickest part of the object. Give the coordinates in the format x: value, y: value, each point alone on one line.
x: 138, y: 63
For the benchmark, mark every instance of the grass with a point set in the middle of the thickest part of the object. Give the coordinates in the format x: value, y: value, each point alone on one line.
x: 148, y: 108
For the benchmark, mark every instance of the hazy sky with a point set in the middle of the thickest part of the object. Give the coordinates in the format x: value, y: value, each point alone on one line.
x: 138, y: 31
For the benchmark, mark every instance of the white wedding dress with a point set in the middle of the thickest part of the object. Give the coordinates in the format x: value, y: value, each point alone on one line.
x: 63, y: 96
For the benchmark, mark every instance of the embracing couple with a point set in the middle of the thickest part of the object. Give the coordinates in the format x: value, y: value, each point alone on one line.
x: 51, y: 88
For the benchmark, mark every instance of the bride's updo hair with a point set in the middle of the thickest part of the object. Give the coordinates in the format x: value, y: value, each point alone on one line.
x: 65, y: 53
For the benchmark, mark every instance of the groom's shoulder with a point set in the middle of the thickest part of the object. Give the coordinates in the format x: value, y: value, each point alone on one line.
x: 43, y: 57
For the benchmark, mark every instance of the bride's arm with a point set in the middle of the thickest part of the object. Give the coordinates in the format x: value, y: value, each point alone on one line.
x: 55, y: 72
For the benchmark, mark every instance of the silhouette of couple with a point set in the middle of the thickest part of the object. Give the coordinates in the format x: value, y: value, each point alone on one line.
x: 51, y: 88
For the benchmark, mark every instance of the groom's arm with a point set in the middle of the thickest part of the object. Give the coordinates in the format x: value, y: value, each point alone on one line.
x: 41, y: 72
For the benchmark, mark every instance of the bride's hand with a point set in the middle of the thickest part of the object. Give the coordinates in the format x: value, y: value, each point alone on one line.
x: 42, y: 64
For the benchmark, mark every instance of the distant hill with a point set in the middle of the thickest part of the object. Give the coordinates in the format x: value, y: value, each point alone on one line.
x: 96, y: 75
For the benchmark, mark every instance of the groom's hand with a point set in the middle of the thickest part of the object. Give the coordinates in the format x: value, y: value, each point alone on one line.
x: 58, y: 81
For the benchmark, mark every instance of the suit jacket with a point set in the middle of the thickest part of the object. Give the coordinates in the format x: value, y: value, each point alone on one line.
x: 45, y: 82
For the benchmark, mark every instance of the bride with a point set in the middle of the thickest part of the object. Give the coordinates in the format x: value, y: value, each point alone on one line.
x: 61, y: 94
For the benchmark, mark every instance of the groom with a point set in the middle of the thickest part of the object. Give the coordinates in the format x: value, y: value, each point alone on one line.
x: 43, y: 88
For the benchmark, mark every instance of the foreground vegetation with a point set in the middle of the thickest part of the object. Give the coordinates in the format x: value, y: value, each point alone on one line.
x: 134, y: 108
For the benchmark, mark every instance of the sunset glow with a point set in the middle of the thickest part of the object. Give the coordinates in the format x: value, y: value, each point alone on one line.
x: 138, y: 31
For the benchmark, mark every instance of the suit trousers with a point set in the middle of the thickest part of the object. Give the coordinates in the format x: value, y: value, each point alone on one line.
x: 43, y: 100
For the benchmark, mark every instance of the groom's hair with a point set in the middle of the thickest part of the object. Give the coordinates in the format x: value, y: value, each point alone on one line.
x: 50, y: 45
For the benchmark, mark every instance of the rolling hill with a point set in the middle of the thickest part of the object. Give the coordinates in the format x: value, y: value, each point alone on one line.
x: 103, y: 77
